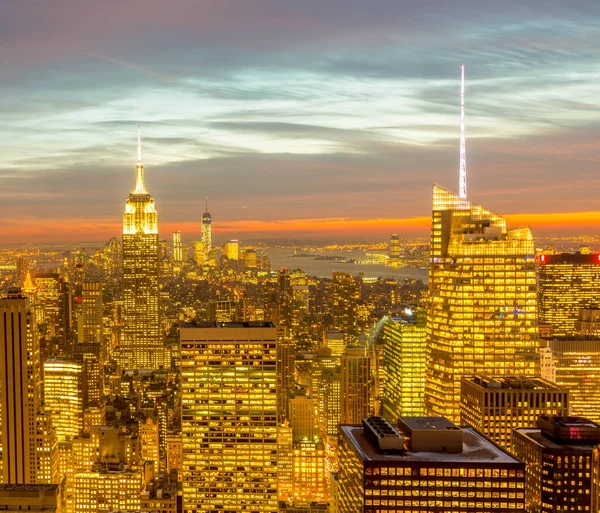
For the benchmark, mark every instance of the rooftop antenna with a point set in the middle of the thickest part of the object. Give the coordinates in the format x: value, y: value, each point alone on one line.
x: 463, y: 154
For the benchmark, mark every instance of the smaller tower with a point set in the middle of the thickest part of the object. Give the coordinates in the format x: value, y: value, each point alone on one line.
x: 463, y: 155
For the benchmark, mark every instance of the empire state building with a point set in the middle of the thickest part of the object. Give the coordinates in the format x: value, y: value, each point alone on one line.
x: 141, y: 344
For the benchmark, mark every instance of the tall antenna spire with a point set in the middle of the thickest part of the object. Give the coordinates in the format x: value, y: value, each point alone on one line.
x: 139, y: 144
x: 463, y: 153
x: 206, y: 198
x: 140, y: 186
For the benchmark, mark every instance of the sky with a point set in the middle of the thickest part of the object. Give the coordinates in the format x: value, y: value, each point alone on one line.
x: 298, y: 119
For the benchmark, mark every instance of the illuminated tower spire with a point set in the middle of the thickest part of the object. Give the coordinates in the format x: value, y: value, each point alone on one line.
x: 206, y: 198
x: 140, y: 186
x: 463, y: 154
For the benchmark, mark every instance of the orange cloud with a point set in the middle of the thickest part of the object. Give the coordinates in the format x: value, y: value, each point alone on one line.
x: 64, y: 230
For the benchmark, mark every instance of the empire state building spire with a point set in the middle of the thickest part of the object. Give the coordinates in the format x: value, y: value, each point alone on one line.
x: 140, y: 186
x: 463, y: 154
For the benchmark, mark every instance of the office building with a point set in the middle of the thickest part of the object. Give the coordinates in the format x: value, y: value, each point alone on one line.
x: 482, y: 317
x: 496, y: 406
x: 206, y: 233
x: 141, y: 344
x: 558, y: 455
x: 177, y: 247
x: 588, y: 322
x: 574, y: 363
x: 302, y: 416
x: 394, y: 247
x: 90, y: 322
x: 63, y: 396
x: 311, y: 480
x: 285, y: 462
x: 231, y: 250
x: 285, y: 375
x: 403, y: 369
x: 20, y: 382
x: 344, y: 306
x: 567, y: 283
x: 355, y: 381
x: 229, y: 417
x: 105, y: 491
x: 427, y: 465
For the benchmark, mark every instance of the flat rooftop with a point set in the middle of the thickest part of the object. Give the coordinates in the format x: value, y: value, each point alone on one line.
x: 512, y: 383
x: 538, y: 437
x: 209, y: 324
x: 476, y: 450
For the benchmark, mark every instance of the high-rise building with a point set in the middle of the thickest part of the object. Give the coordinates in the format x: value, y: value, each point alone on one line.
x: 302, y: 416
x: 496, y: 406
x: 177, y: 247
x: 106, y: 491
x: 63, y: 396
x: 90, y: 325
x: 20, y: 383
x: 574, y: 363
x: 558, y: 455
x: 427, y: 465
x: 206, y: 232
x: 404, y: 350
x: 229, y: 417
x: 345, y: 296
x: 92, y: 383
x: 482, y: 316
x: 148, y: 435
x: 588, y: 322
x: 311, y: 483
x: 567, y: 283
x: 285, y: 375
x: 141, y: 344
x: 394, y: 246
x: 285, y: 462
x: 355, y: 381
x: 231, y: 250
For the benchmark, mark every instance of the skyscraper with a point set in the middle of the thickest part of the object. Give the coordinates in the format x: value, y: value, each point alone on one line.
x: 177, y: 247
x: 206, y: 232
x: 20, y: 382
x: 404, y: 340
x: 355, y: 385
x: 346, y: 293
x: 483, y: 310
x: 141, y: 345
x: 568, y: 283
x: 427, y: 465
x: 63, y: 396
x: 229, y: 417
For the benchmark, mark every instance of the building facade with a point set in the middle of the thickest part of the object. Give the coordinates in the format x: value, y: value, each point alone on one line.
x: 427, y: 465
x: 141, y: 345
x: 482, y: 316
x: 496, y: 406
x: 229, y: 417
x: 567, y: 283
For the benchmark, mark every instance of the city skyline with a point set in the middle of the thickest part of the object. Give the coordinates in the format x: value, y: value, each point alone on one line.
x: 298, y: 123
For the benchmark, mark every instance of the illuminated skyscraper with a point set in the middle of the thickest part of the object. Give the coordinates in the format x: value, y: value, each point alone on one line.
x: 177, y: 247
x: 141, y: 345
x: 231, y: 250
x: 427, y: 465
x: 229, y: 417
x: 482, y: 316
x: 63, y: 396
x: 404, y: 341
x: 574, y: 363
x: 558, y: 455
x: 568, y: 283
x: 20, y: 383
x: 496, y: 406
x: 346, y: 293
x: 355, y: 374
x: 90, y: 325
x: 394, y: 246
x: 206, y: 232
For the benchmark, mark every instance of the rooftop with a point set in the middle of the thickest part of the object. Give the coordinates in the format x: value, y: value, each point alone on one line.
x: 476, y: 450
x: 512, y: 383
x: 209, y: 324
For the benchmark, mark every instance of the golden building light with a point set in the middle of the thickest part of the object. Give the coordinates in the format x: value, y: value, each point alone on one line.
x: 404, y: 351
x: 229, y: 417
x: 427, y: 464
x: 496, y: 406
x: 482, y: 317
x: 141, y: 344
x: 567, y: 283
x: 63, y: 396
